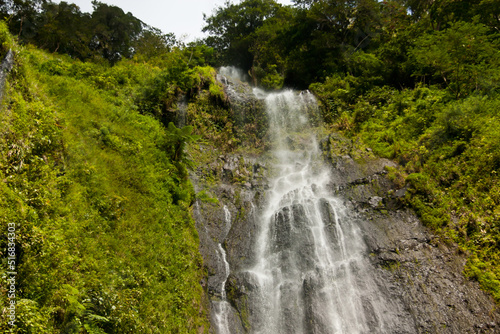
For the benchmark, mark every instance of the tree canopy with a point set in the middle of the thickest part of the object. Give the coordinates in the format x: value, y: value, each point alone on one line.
x: 107, y: 33
x: 318, y: 38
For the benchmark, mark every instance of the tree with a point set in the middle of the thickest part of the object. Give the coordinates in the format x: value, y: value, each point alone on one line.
x: 418, y: 8
x: 269, y: 49
x: 113, y: 32
x: 232, y: 29
x: 177, y: 138
x: 489, y: 11
x: 324, y: 33
x: 22, y: 17
x: 461, y: 57
x: 64, y: 29
x: 153, y: 44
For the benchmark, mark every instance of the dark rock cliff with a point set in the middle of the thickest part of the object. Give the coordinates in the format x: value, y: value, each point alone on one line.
x: 418, y: 271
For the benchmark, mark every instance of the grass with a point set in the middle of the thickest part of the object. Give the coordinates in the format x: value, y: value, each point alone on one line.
x: 106, y: 243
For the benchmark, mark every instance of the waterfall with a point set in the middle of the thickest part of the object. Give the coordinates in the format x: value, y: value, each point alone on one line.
x: 222, y: 306
x: 181, y: 113
x: 312, y: 271
x: 5, y: 67
x: 232, y: 72
x: 309, y: 252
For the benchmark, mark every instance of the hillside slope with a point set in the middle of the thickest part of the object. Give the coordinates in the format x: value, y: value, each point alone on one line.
x: 104, y: 240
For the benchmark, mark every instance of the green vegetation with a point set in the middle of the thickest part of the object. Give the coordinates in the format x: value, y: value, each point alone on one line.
x: 449, y: 153
x: 101, y: 201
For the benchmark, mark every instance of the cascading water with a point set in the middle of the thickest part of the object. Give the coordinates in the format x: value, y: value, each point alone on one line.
x: 222, y: 307
x: 181, y: 114
x: 311, y: 273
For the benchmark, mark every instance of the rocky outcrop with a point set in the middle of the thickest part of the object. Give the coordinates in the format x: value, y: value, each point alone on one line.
x: 247, y: 111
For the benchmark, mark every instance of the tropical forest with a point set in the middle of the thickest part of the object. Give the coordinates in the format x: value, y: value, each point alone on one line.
x: 329, y: 166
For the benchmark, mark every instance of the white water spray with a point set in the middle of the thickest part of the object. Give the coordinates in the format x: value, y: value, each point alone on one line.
x: 222, y: 306
x: 312, y: 273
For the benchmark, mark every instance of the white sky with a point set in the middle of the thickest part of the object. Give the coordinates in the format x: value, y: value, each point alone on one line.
x: 182, y: 17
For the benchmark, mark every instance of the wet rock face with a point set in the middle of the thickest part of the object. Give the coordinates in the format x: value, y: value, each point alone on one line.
x: 419, y: 275
x: 247, y: 112
x: 291, y: 240
x: 239, y: 187
x: 425, y: 273
x: 410, y: 264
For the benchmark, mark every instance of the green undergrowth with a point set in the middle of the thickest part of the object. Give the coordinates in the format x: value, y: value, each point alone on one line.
x: 101, y: 201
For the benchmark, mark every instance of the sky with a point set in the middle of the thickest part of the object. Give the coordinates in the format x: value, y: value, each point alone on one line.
x: 182, y: 17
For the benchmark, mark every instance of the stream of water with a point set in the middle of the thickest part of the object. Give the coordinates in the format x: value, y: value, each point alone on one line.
x: 312, y: 271
x: 222, y: 307
x: 294, y: 257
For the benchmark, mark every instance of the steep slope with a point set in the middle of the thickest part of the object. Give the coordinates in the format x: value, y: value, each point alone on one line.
x: 104, y: 239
